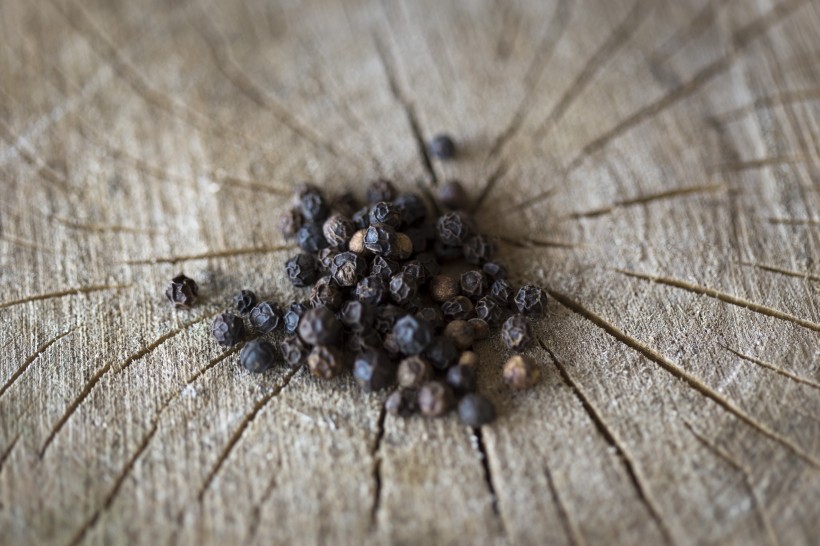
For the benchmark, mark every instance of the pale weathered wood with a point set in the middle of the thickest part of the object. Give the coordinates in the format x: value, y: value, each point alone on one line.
x: 652, y: 164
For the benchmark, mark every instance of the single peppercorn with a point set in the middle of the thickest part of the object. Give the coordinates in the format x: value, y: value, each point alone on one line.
x: 429, y: 263
x: 520, y: 372
x: 348, y: 268
x: 314, y: 206
x: 356, y: 243
x: 391, y: 346
x: 444, y: 288
x: 356, y: 315
x: 384, y: 267
x: 302, y: 269
x: 310, y: 238
x: 290, y: 222
x: 372, y: 290
x: 480, y: 328
x: 460, y: 333
x: 478, y: 249
x: 457, y: 308
x: 374, y: 370
x: 293, y: 350
x: 412, y: 334
x: 385, y: 317
x: 476, y: 410
x: 442, y: 147
x: 435, y: 399
x: 531, y: 300
x: 403, y: 288
x: 325, y: 361
x: 404, y: 246
x: 453, y: 228
x: 414, y: 371
x: 402, y: 403
x: 415, y: 271
x: 441, y: 353
x: 473, y: 284
x: 337, y: 230
x: 494, y: 270
x: 228, y: 329
x: 326, y: 293
x: 345, y: 204
x: 257, y: 356
x: 266, y: 317
x: 489, y: 310
x: 516, y: 334
x: 446, y: 253
x: 452, y: 195
x: 360, y: 341
x: 462, y: 379
x: 319, y: 326
x: 292, y: 316
x: 381, y: 239
x: 468, y: 358
x: 245, y: 301
x: 502, y: 291
x: 385, y: 213
x: 182, y: 291
x: 411, y: 207
x: 324, y: 259
x: 433, y: 315
x: 361, y: 218
x: 381, y: 190
x: 418, y: 238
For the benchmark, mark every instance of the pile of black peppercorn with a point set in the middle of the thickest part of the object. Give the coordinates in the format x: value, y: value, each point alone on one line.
x: 379, y: 305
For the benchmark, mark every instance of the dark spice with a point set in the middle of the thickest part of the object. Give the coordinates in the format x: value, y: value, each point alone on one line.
x: 348, y: 268
x: 402, y: 403
x: 444, y: 287
x: 325, y: 361
x: 435, y: 399
x: 452, y: 195
x: 430, y: 264
x: 520, y: 372
x: 314, y: 206
x: 447, y: 253
x: 494, y: 270
x: 442, y: 147
x: 473, y: 284
x: 502, y: 291
x: 411, y: 207
x: 326, y: 293
x: 385, y: 317
x: 302, y: 269
x: 384, y: 267
x: 182, y: 291
x: 381, y: 190
x: 324, y: 259
x: 475, y: 410
x: 433, y: 315
x: 415, y: 270
x: 310, y: 238
x: 365, y: 339
x: 480, y: 328
x: 372, y: 290
x: 381, y: 239
x: 338, y: 230
x: 361, y: 218
x: 374, y: 370
x: 531, y: 300
x: 414, y: 371
x: 460, y: 333
x: 457, y: 308
x: 489, y: 310
x: 345, y: 204
x: 257, y: 356
x: 462, y: 379
x: 319, y: 326
x: 228, y: 329
x: 290, y: 222
x: 391, y: 346
x: 245, y: 301
x: 453, y: 228
x: 266, y: 317
x: 403, y: 288
x: 412, y: 334
x: 356, y: 315
x: 478, y: 249
x: 441, y: 353
x: 293, y: 350
x: 292, y: 316
x: 385, y: 213
x: 516, y: 333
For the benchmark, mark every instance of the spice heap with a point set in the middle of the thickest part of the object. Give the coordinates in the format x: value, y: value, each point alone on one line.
x: 380, y: 305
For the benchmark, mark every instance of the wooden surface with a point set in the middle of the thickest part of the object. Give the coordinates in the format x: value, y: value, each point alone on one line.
x: 653, y: 164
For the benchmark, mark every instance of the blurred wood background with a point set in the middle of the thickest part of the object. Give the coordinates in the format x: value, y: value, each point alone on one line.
x: 653, y: 164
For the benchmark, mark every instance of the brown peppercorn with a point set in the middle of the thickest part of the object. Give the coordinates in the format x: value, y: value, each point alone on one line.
x: 402, y: 403
x: 460, y: 333
x: 435, y: 399
x: 480, y: 328
x: 326, y: 293
x: 468, y: 358
x: 444, y: 287
x: 337, y: 229
x: 404, y: 245
x: 520, y: 372
x: 414, y: 371
x: 325, y: 361
x: 356, y: 243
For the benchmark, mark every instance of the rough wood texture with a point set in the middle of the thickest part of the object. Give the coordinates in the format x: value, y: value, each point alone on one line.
x: 654, y: 164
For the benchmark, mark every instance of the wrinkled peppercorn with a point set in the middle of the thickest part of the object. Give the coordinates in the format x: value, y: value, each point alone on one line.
x: 348, y: 268
x: 530, y: 300
x: 478, y: 249
x: 444, y: 288
x: 245, y: 301
x: 402, y: 403
x: 374, y: 370
x: 462, y: 379
x: 475, y: 410
x: 457, y: 308
x: 502, y: 291
x: 446, y: 253
x: 411, y: 208
x: 361, y: 218
x: 325, y: 361
x: 326, y: 293
x: 385, y: 213
x: 310, y: 238
x: 494, y: 270
x: 473, y: 284
x: 516, y: 333
x: 266, y: 317
x: 182, y: 291
x: 356, y: 315
x: 460, y: 333
x: 414, y: 371
x: 381, y: 190
x: 337, y: 230
x: 324, y: 259
x: 412, y: 334
x: 314, y: 206
x: 384, y: 267
x: 381, y: 239
x: 290, y: 222
x: 489, y: 310
x: 293, y: 350
x: 319, y: 326
x: 228, y: 329
x: 442, y: 147
x: 302, y: 269
x: 403, y: 288
x: 372, y: 290
x: 433, y: 315
x: 480, y: 328
x: 292, y: 316
x: 441, y: 353
x: 429, y: 263
x: 452, y: 195
x: 453, y: 228
x: 520, y: 372
x: 385, y: 317
x: 257, y: 356
x: 360, y: 341
x: 415, y: 271
x: 435, y: 399
x: 391, y: 346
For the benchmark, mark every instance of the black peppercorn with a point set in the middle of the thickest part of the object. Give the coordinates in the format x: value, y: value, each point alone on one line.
x: 302, y: 269
x: 435, y: 399
x: 345, y: 204
x: 461, y: 379
x: 356, y: 315
x: 494, y: 270
x: 372, y: 290
x: 391, y: 346
x: 418, y: 238
x: 325, y: 362
x: 292, y: 316
x: 415, y: 270
x: 385, y: 213
x: 489, y: 310
x: 228, y: 329
x: 442, y: 147
x: 502, y: 291
x: 453, y: 228
x: 245, y: 301
x: 338, y: 230
x: 385, y: 317
x: 403, y: 288
x: 257, y: 356
x: 480, y: 328
x: 314, y: 206
x: 402, y: 403
x: 266, y: 317
x: 381, y: 190
x: 433, y: 315
x: 457, y: 308
x: 531, y: 300
x: 361, y: 218
x: 414, y: 371
x: 475, y: 410
x: 516, y: 333
x: 444, y: 288
x: 441, y: 353
x: 473, y: 284
x: 520, y: 372
x: 381, y: 239
x: 478, y: 249
x: 460, y: 333
x: 290, y: 222
x: 326, y: 293
x: 412, y: 334
x: 430, y: 264
x: 347, y: 268
x: 360, y: 341
x: 411, y: 207
x: 182, y: 291
x: 452, y: 195
x: 293, y: 350
x: 319, y: 326
x: 374, y: 370
x: 446, y: 253
x: 324, y: 259
x: 310, y: 238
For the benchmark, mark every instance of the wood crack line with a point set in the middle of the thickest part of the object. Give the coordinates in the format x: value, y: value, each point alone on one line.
x: 63, y: 293
x: 488, y: 477
x: 646, y: 199
x: 30, y: 360
x: 377, y: 464
x: 7, y: 453
x: 782, y: 271
x: 573, y: 532
x: 632, y: 470
x: 675, y: 370
x: 772, y: 367
x: 227, y: 253
x: 722, y: 296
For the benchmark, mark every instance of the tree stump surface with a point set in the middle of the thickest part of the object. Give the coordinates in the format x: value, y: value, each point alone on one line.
x: 652, y: 164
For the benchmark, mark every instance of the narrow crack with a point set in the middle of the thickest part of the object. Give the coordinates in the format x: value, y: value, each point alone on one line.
x: 377, y: 466
x: 488, y: 477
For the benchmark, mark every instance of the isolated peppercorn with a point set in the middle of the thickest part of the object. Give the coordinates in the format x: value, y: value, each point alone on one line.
x: 372, y: 290
x: 403, y: 288
x: 245, y: 301
x: 325, y: 361
x: 515, y: 333
x: 385, y: 213
x: 290, y: 222
x: 356, y: 315
x: 384, y: 267
x: 444, y: 287
x: 489, y: 310
x: 228, y: 329
x: 374, y: 370
x: 453, y: 228
x: 319, y: 326
x: 314, y: 206
x: 310, y: 238
x: 442, y: 147
x: 502, y: 291
x: 480, y: 328
x: 293, y: 350
x: 411, y: 208
x: 452, y: 195
x: 257, y: 356
x: 475, y: 410
x: 292, y: 316
x: 337, y: 230
x: 402, y: 403
x: 478, y: 249
x: 348, y: 268
x: 520, y: 372
x: 494, y: 270
x: 473, y: 284
x: 412, y: 334
x: 326, y: 293
x: 462, y: 379
x: 414, y: 371
x: 530, y: 300
x: 460, y: 333
x: 381, y: 239
x: 441, y: 353
x: 302, y: 269
x: 457, y: 308
x: 266, y: 317
x: 381, y: 190
x: 182, y: 291
x: 435, y: 399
